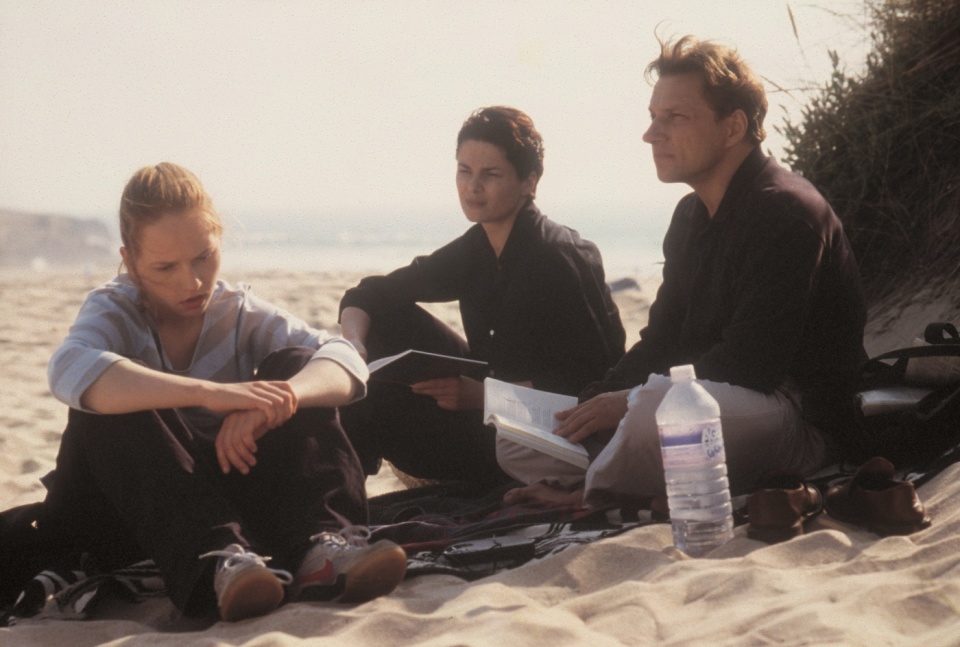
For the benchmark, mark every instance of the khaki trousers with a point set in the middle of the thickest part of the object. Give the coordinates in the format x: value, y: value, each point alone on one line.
x: 760, y: 432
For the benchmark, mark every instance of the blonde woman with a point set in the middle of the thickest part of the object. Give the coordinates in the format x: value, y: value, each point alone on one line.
x: 203, y: 431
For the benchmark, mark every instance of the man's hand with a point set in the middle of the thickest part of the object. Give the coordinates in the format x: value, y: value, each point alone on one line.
x: 237, y: 441
x: 600, y: 413
x: 453, y: 393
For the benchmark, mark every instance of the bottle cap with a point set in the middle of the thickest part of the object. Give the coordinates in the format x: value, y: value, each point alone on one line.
x: 682, y: 373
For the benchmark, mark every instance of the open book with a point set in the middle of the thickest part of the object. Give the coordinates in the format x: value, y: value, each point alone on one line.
x: 412, y: 366
x: 526, y: 416
x: 891, y: 398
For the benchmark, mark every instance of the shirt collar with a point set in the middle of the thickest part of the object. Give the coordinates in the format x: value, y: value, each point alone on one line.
x: 522, y: 229
x: 741, y: 180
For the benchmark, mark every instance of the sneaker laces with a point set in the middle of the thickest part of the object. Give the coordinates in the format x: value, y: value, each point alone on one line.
x: 230, y: 559
x: 355, y: 536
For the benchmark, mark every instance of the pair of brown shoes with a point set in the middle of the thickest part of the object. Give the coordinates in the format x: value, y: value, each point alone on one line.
x: 780, y: 505
x: 873, y: 498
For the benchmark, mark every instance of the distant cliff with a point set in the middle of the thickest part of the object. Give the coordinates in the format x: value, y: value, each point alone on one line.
x: 49, y: 240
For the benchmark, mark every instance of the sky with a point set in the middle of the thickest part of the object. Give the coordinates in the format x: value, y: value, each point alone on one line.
x: 300, y: 107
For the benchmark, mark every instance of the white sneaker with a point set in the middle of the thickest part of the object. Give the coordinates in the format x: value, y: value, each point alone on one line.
x: 343, y: 566
x: 244, y: 585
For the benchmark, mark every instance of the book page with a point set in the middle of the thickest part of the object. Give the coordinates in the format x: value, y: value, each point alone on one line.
x: 522, y: 404
x: 891, y: 398
x: 383, y: 361
x: 412, y: 366
x: 527, y: 416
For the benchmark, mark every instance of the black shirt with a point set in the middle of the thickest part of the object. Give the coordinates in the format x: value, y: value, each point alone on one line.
x: 764, y: 293
x: 541, y: 312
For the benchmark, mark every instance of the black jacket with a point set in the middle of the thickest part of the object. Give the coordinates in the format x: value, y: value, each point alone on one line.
x: 541, y: 312
x: 765, y: 292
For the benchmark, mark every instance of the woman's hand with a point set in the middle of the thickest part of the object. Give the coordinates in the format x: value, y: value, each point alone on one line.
x: 453, y: 393
x: 253, y: 409
x: 128, y: 386
x: 600, y: 413
x: 236, y: 442
x: 276, y: 400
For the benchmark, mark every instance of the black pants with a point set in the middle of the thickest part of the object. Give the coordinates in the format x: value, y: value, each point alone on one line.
x: 147, y: 485
x: 410, y: 430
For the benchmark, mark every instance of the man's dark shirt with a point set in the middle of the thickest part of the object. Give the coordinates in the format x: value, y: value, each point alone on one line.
x: 541, y: 312
x: 764, y: 293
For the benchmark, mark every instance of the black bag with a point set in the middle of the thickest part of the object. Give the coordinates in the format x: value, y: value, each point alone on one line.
x: 913, y: 436
x: 31, y: 541
x: 20, y: 551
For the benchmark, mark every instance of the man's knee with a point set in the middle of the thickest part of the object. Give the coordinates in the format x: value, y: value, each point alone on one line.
x: 531, y: 466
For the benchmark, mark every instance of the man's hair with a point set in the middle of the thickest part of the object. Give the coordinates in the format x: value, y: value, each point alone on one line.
x: 511, y: 130
x: 728, y: 82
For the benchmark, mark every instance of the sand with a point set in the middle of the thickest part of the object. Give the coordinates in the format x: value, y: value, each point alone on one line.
x: 835, y: 585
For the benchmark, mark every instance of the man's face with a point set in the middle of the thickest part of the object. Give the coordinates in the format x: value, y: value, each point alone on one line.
x: 688, y: 139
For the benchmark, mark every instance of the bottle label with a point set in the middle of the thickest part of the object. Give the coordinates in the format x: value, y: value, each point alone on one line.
x: 712, y: 441
x: 705, y: 439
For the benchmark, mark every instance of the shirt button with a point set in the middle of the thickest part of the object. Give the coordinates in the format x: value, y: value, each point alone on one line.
x: 491, y: 332
x: 492, y: 373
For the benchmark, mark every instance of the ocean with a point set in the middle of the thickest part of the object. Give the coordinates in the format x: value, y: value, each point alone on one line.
x: 377, y: 245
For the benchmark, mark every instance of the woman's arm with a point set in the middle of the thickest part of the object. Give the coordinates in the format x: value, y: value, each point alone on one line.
x: 127, y: 386
x: 435, y: 278
x: 354, y: 326
x: 321, y: 383
x: 324, y: 383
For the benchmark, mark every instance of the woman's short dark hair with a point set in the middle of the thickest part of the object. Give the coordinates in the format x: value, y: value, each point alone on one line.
x: 510, y: 129
x: 728, y: 82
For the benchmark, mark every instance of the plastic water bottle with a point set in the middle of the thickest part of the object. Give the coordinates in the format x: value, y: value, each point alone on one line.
x: 695, y: 465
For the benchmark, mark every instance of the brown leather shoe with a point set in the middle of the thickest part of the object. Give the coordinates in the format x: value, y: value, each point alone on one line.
x: 779, y: 506
x: 872, y: 498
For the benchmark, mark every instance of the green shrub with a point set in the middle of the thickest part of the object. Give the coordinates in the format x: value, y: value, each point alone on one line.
x: 884, y: 145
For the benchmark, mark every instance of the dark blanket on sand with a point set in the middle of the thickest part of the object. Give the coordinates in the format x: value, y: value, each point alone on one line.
x: 36, y: 579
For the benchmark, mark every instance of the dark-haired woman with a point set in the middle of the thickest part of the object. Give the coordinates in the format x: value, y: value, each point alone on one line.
x: 533, y: 302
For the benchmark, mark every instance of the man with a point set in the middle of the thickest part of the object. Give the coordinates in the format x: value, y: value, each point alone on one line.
x: 760, y: 292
